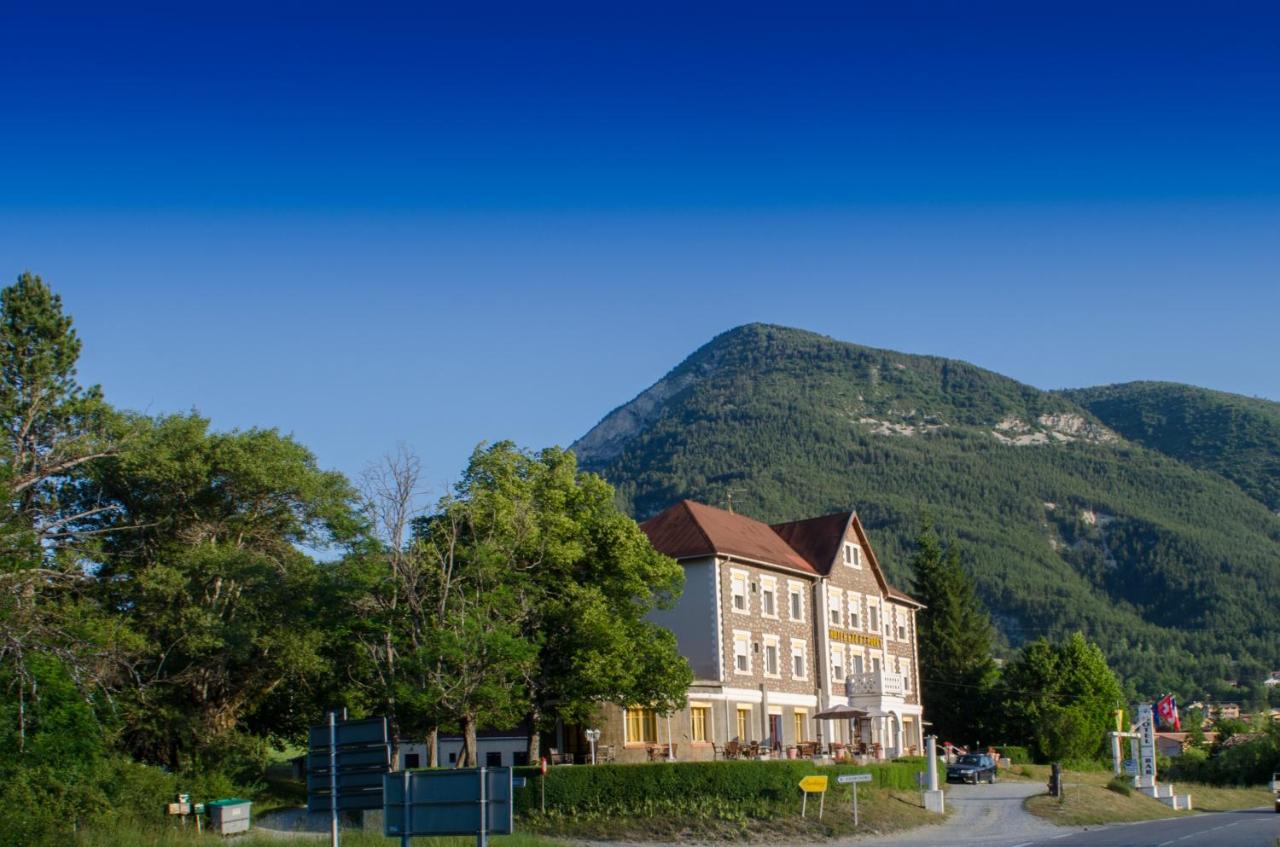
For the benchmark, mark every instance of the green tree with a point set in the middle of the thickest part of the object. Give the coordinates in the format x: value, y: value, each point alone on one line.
x: 51, y: 431
x: 201, y: 553
x: 955, y: 635
x: 523, y: 594
x: 1060, y: 699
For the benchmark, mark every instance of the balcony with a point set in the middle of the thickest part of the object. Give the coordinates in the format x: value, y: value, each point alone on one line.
x: 875, y: 684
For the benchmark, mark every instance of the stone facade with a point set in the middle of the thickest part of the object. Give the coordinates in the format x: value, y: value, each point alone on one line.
x: 800, y: 629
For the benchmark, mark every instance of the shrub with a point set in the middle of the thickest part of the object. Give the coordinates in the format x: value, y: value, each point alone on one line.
x: 1120, y: 785
x: 756, y: 789
x: 1015, y: 754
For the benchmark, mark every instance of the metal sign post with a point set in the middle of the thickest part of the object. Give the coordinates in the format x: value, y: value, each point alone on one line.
x: 408, y: 802
x: 482, y: 834
x: 333, y: 779
x: 853, y: 779
x: 593, y: 735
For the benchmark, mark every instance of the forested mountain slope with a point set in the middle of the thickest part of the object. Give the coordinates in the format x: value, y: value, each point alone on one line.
x: 1237, y: 437
x: 1065, y: 524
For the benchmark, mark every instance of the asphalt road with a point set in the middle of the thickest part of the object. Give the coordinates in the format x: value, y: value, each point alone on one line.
x: 1248, y: 828
x: 990, y: 815
x: 993, y: 816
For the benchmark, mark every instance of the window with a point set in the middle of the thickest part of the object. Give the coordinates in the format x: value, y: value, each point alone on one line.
x: 771, y: 656
x: 768, y: 597
x: 875, y: 663
x: 855, y: 662
x: 796, y: 593
x: 900, y: 615
x: 799, y: 663
x: 855, y: 610
x: 493, y: 759
x: 802, y: 725
x: 873, y: 618
x: 853, y: 555
x: 738, y: 585
x: 741, y: 651
x: 904, y: 666
x: 642, y: 726
x: 835, y: 599
x: 837, y: 663
x: 411, y: 761
x: 698, y: 722
x: 744, y: 723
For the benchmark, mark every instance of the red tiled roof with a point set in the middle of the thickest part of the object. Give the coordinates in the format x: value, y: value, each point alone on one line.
x: 690, y: 529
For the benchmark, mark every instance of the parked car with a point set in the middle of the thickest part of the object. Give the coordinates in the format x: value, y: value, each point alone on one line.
x: 972, y: 767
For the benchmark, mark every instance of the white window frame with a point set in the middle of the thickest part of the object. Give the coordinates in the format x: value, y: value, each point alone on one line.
x: 857, y: 656
x: 795, y: 589
x: 741, y: 638
x: 837, y: 663
x: 852, y: 555
x: 800, y: 650
x: 873, y: 616
x: 853, y: 601
x: 776, y: 643
x: 739, y: 579
x: 900, y: 620
x: 904, y: 668
x: 835, y: 603
x: 769, y: 585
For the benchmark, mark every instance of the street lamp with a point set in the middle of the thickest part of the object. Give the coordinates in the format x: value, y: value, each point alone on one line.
x: 593, y: 735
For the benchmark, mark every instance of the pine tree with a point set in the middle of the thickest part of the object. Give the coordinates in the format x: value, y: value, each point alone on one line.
x: 956, y: 668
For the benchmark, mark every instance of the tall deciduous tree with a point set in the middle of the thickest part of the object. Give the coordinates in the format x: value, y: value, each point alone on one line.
x: 522, y: 594
x: 202, y: 555
x: 956, y: 667
x: 1060, y: 699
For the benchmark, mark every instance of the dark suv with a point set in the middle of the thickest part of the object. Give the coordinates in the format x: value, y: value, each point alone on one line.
x: 972, y: 767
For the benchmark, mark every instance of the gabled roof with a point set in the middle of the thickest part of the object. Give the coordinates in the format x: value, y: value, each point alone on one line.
x: 817, y: 539
x: 690, y: 529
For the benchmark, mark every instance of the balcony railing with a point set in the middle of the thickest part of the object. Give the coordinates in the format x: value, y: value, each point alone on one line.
x: 875, y: 684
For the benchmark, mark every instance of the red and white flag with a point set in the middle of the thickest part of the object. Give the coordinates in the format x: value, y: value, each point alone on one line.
x: 1167, y: 709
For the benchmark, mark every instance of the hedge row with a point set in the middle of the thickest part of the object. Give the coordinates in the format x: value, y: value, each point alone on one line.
x: 583, y: 788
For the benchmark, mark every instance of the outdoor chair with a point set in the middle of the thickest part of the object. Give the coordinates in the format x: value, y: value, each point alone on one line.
x: 732, y: 750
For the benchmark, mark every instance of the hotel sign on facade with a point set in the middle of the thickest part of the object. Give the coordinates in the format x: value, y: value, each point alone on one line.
x: 854, y: 638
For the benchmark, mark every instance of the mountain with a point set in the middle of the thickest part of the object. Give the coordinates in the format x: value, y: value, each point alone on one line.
x: 1236, y: 437
x: 1065, y: 521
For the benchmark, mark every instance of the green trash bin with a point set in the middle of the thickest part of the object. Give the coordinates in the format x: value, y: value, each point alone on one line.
x: 230, y: 815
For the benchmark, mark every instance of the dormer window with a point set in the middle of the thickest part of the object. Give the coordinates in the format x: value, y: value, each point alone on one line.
x: 853, y: 555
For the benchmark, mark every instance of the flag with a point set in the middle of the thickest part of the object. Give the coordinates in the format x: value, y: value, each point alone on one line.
x: 1167, y: 709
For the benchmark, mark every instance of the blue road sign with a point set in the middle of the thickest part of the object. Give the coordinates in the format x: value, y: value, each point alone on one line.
x: 465, y: 801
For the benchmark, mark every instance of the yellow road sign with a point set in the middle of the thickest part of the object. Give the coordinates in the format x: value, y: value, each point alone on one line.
x: 813, y: 784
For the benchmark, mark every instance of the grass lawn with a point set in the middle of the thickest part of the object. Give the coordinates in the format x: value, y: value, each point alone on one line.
x: 1089, y: 801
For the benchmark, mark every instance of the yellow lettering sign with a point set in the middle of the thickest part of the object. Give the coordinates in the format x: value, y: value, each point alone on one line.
x: 813, y: 784
x: 854, y: 638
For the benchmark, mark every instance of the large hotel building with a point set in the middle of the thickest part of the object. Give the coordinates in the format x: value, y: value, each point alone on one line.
x: 778, y: 623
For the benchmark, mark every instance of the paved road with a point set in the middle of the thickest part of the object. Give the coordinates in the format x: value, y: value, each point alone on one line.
x: 981, y: 814
x: 1249, y: 828
x: 993, y: 815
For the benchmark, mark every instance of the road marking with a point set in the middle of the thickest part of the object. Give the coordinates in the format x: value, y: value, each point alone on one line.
x: 1024, y: 844
x: 1063, y: 835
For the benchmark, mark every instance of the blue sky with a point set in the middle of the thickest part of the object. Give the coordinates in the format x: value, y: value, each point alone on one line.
x: 369, y: 226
